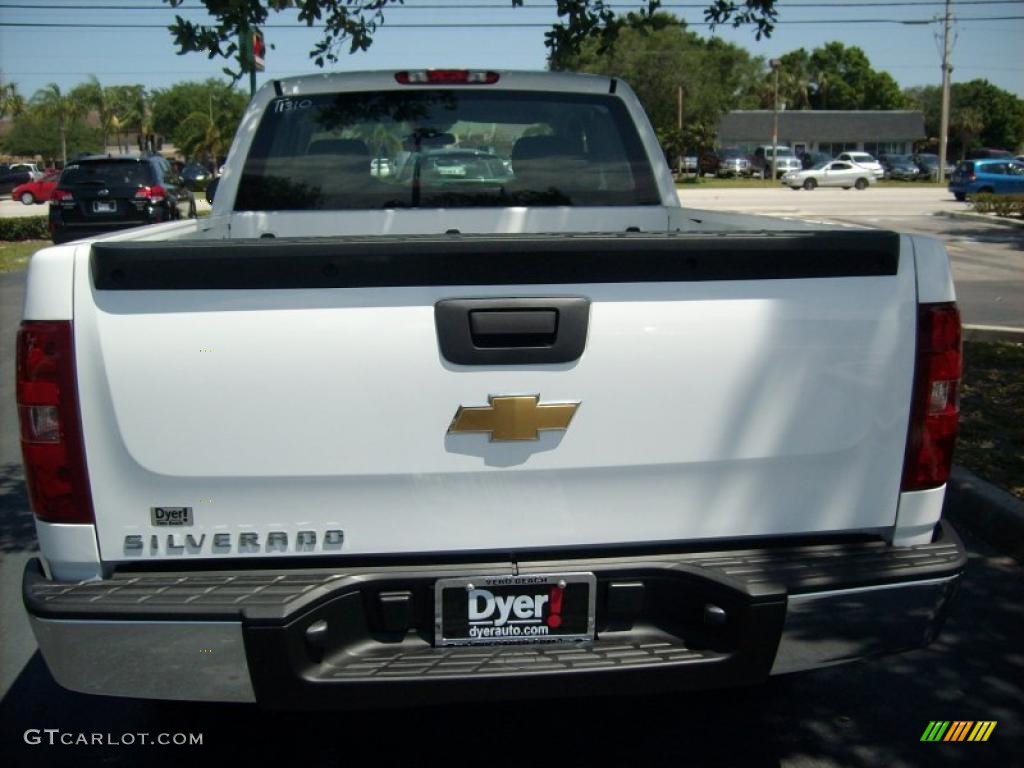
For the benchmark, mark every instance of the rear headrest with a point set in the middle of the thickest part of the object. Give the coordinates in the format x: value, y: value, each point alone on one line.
x: 338, y: 147
x: 534, y: 147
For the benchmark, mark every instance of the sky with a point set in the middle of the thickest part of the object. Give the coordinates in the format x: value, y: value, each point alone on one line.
x: 44, y: 41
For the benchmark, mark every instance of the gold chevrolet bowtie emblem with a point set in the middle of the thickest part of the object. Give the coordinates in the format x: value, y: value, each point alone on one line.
x: 513, y: 417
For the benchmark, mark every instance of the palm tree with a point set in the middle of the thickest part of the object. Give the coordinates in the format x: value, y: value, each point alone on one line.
x: 62, y: 108
x: 11, y: 102
x: 101, y: 99
x: 795, y: 86
x: 382, y: 140
x: 129, y: 109
x: 200, y: 135
x: 968, y: 122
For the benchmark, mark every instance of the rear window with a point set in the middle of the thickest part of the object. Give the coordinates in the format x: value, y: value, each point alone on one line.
x: 111, y: 173
x: 445, y: 148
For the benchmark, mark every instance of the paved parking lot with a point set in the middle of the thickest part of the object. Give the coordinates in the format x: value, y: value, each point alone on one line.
x: 10, y: 209
x: 904, y: 201
x: 987, y: 258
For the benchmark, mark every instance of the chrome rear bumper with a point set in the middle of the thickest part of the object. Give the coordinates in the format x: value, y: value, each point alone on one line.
x: 243, y: 636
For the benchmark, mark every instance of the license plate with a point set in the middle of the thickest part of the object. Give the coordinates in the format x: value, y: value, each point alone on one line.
x: 499, y: 610
x: 104, y: 206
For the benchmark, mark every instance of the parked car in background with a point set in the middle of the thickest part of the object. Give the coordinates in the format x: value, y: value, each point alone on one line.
x: 11, y: 178
x: 196, y: 176
x: 688, y: 163
x: 31, y: 168
x: 786, y: 161
x: 811, y: 159
x: 36, y: 191
x: 985, y: 153
x: 997, y: 176
x: 929, y: 166
x: 863, y: 160
x: 833, y: 173
x: 102, y: 194
x: 901, y: 167
x: 381, y: 167
x: 731, y: 161
x: 456, y: 167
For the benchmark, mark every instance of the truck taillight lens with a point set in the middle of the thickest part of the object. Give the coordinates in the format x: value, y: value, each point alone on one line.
x: 61, y: 196
x: 51, y: 428
x: 446, y: 77
x: 935, y: 408
x: 154, y: 194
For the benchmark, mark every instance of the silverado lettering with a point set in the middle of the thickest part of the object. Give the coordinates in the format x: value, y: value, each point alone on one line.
x: 223, y: 543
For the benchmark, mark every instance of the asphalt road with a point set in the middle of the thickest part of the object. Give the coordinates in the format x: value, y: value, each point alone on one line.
x: 863, y: 715
x: 987, y: 259
x: 10, y: 209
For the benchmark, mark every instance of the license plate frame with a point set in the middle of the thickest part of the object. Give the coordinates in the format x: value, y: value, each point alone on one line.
x: 575, y: 628
x: 104, y: 206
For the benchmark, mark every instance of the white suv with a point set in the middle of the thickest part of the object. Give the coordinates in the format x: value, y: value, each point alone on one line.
x: 864, y: 160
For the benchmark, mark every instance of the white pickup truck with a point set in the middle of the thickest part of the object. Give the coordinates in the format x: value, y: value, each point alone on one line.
x: 506, y: 421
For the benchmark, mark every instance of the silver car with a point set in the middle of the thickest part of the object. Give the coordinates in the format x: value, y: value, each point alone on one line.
x: 864, y: 160
x: 833, y: 173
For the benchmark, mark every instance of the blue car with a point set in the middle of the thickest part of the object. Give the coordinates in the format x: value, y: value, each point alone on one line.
x: 999, y: 176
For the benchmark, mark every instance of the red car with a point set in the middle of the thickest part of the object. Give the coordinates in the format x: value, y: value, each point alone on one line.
x: 37, y: 191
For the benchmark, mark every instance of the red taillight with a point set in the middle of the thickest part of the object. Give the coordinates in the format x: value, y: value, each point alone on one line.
x: 447, y: 77
x: 60, y: 196
x: 935, y: 408
x: 51, y: 428
x: 154, y: 194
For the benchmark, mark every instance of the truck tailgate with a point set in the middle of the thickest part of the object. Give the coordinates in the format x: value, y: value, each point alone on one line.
x: 293, y: 396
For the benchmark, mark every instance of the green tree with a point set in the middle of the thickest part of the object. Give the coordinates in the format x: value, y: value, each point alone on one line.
x: 354, y: 23
x: 131, y: 112
x: 968, y: 123
x: 657, y: 56
x: 795, y: 82
x: 11, y: 102
x: 64, y: 109
x: 842, y: 78
x: 35, y: 133
x: 199, y: 117
x: 94, y: 96
x: 1003, y: 114
x: 980, y: 115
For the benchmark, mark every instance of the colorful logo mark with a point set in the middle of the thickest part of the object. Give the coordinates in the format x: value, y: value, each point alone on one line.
x: 959, y: 730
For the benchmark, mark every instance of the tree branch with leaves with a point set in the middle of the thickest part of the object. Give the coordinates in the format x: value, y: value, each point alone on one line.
x: 352, y: 24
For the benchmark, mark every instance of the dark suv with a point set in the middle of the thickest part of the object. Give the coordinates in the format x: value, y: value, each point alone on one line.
x: 102, y: 193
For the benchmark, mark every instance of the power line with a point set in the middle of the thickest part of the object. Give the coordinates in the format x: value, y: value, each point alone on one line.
x: 492, y: 6
x: 499, y: 25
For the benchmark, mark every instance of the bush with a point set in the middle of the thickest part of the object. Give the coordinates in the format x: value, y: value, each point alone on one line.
x: 1000, y: 205
x: 24, y: 228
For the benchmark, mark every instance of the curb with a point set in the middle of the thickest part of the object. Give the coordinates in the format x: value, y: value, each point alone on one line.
x: 993, y: 333
x: 968, y: 216
x: 997, y: 516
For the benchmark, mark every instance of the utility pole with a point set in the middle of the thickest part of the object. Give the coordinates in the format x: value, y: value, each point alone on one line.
x: 679, y: 125
x: 775, y: 65
x: 946, y: 70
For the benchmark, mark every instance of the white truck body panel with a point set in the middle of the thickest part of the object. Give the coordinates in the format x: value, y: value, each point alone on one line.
x: 694, y: 397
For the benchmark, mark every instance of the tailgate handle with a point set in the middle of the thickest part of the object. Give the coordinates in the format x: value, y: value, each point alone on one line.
x: 512, y: 331
x: 513, y: 327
